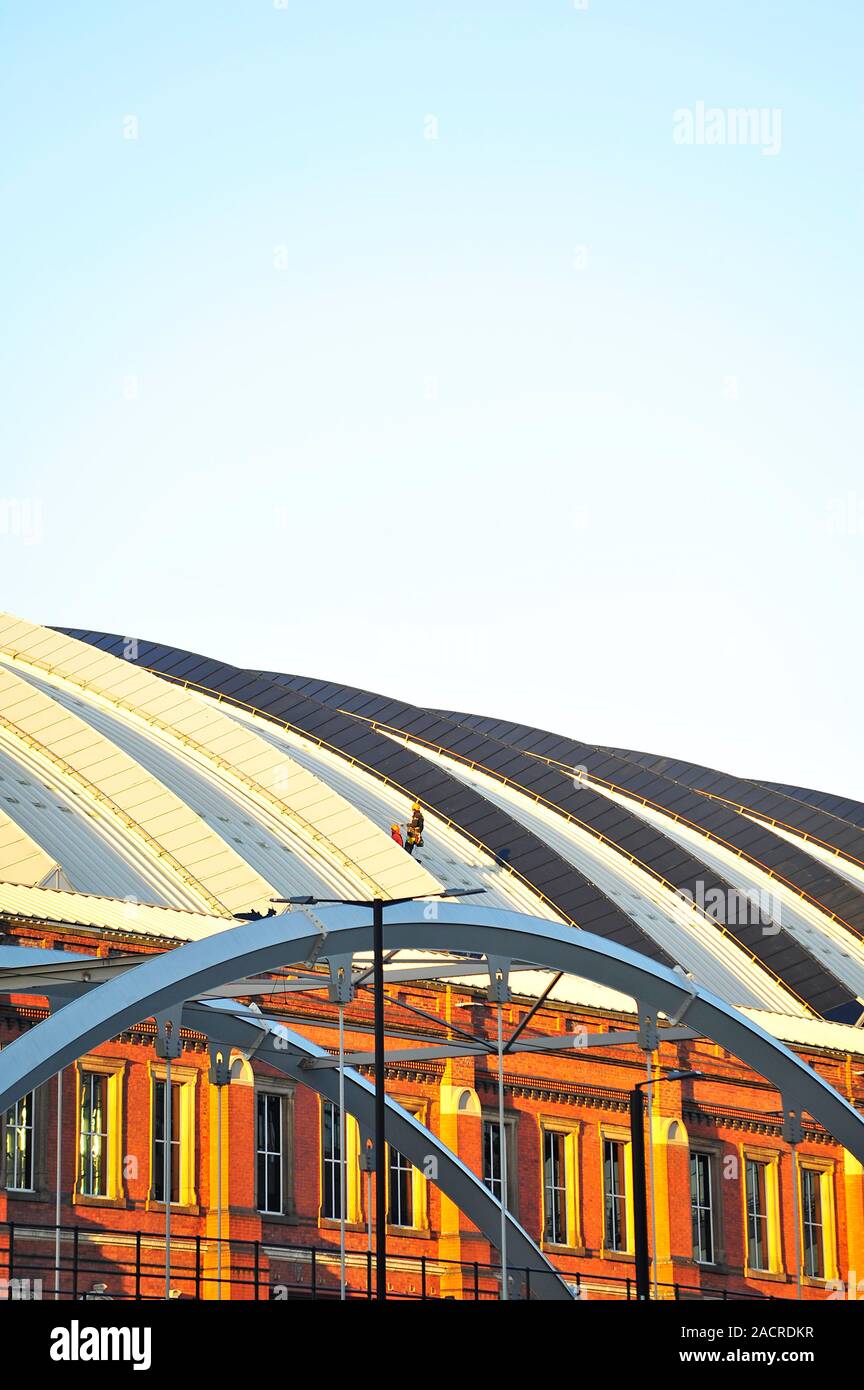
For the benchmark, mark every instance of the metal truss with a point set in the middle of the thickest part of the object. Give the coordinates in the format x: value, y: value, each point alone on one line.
x: 165, y: 982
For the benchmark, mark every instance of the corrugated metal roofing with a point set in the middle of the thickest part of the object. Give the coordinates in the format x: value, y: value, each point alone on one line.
x: 93, y: 852
x: 654, y: 780
x: 119, y: 791
x: 22, y: 858
x: 840, y: 950
x: 841, y: 806
x: 567, y: 891
x: 448, y: 855
x: 542, y: 765
x: 714, y: 959
x: 281, y: 864
x: 52, y: 905
x: 852, y: 872
x: 592, y: 854
x: 203, y: 732
x: 769, y: 803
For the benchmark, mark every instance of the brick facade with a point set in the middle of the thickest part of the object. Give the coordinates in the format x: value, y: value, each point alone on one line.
x: 730, y: 1114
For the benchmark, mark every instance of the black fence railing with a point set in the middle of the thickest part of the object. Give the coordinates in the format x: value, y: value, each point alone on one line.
x: 96, y: 1262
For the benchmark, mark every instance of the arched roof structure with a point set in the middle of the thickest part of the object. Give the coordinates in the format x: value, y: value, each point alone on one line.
x: 628, y: 847
x: 154, y: 793
x: 188, y: 790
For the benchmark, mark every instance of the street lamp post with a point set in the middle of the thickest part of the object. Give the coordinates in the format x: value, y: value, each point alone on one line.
x: 640, y: 1182
x: 640, y: 1197
x: 377, y: 905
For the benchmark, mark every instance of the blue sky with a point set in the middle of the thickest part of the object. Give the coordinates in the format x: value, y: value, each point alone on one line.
x: 547, y: 416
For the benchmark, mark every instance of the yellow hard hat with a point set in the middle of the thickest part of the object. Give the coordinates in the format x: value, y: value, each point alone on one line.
x: 416, y: 806
x: 394, y: 826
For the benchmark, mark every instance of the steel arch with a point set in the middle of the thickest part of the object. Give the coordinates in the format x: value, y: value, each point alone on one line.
x: 286, y: 1050
x: 168, y: 979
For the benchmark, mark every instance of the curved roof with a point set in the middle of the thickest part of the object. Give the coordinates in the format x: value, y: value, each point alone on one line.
x: 194, y: 789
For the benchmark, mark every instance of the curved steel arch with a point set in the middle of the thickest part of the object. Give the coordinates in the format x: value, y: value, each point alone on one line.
x: 287, y: 1051
x: 166, y: 980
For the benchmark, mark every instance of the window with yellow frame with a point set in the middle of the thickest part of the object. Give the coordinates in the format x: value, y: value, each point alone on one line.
x: 616, y: 1166
x: 406, y: 1185
x: 99, y: 1172
x: 760, y: 1194
x: 330, y: 1206
x: 274, y: 1144
x: 184, y: 1081
x: 817, y: 1219
x: 559, y: 1156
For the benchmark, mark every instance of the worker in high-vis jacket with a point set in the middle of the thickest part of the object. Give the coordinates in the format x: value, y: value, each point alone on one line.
x: 415, y: 828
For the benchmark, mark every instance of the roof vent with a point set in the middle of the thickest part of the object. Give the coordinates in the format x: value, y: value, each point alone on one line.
x: 56, y: 878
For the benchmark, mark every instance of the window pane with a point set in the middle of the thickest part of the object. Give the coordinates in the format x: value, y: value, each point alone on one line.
x: 269, y: 1154
x: 274, y: 1183
x: 492, y: 1157
x: 401, y: 1193
x: 493, y: 1175
x: 93, y: 1135
x: 554, y: 1187
x: 812, y: 1224
x: 701, y: 1207
x: 331, y: 1167
x: 757, y: 1215
x: 19, y: 1142
x: 159, y: 1141
x: 273, y: 1107
x: 260, y: 1126
x: 614, y: 1195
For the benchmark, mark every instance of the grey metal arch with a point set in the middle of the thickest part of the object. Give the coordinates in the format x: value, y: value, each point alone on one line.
x: 286, y: 1050
x: 166, y: 980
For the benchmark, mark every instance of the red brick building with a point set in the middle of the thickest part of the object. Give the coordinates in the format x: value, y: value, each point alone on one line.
x: 722, y: 1174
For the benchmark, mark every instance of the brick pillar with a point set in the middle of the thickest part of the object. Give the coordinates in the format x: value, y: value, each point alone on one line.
x: 671, y: 1186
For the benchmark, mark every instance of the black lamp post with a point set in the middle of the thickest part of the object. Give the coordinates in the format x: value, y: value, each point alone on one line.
x: 640, y: 1181
x: 377, y: 905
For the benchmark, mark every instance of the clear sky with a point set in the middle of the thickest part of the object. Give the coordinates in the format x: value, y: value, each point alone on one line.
x: 406, y: 344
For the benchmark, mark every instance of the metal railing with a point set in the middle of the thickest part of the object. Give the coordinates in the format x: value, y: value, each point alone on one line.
x: 96, y: 1262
